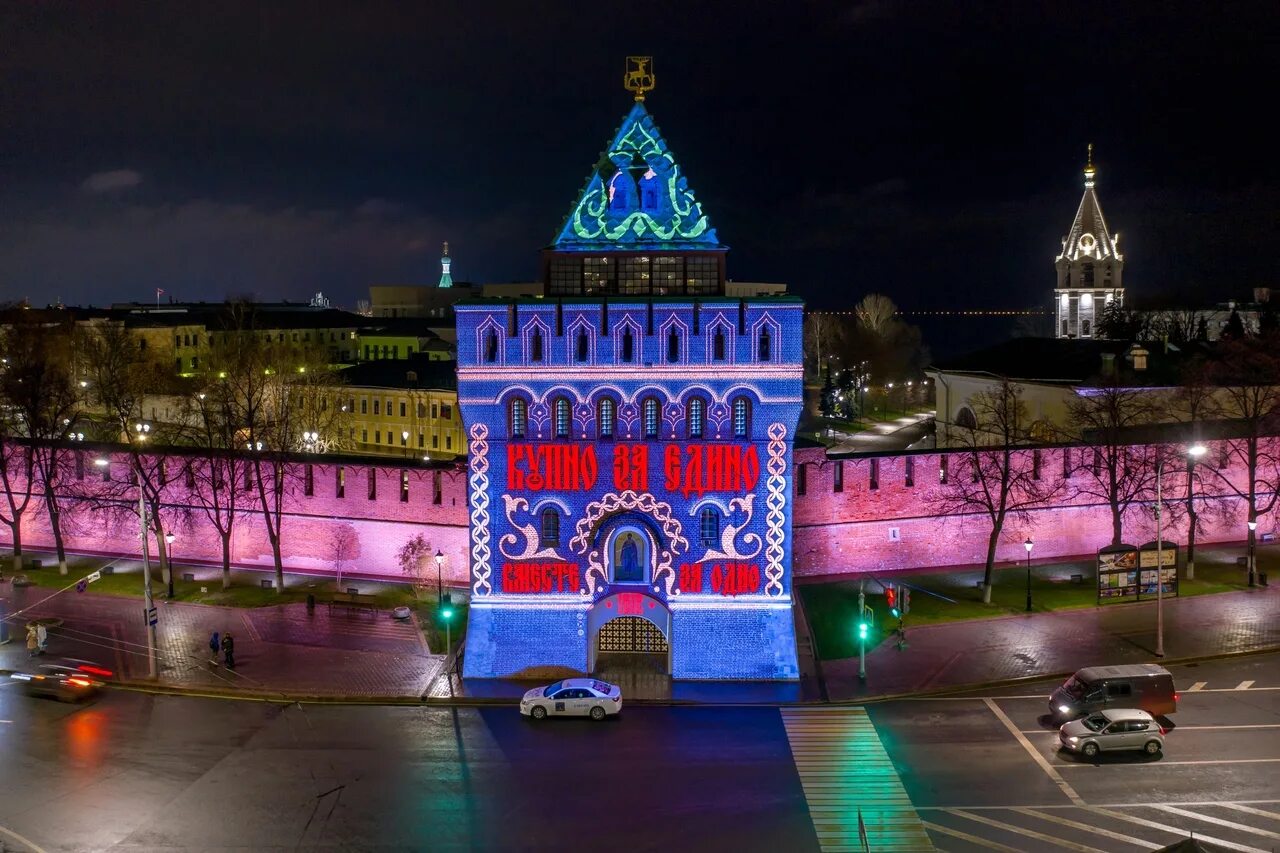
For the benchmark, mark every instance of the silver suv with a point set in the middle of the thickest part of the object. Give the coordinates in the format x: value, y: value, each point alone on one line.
x: 1113, y: 729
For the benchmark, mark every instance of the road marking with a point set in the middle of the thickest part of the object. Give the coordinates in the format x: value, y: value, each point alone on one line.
x: 1244, y: 685
x: 1143, y: 805
x: 845, y: 771
x: 1029, y: 833
x: 1217, y: 821
x: 1179, y: 728
x: 1034, y: 753
x: 972, y: 839
x: 35, y: 848
x: 1236, y: 689
x: 1250, y: 810
x: 969, y: 698
x: 1174, y: 763
x: 1140, y: 821
x: 1199, y: 685
x: 1075, y: 824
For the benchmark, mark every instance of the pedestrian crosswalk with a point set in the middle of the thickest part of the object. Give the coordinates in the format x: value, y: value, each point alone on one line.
x: 1248, y: 828
x: 848, y: 780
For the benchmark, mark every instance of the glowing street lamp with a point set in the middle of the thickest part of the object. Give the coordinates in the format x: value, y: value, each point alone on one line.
x: 439, y: 576
x: 168, y: 541
x: 1028, y: 545
x: 1194, y: 452
x: 1253, y: 526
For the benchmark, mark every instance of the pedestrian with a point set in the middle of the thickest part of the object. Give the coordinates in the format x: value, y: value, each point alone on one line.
x: 33, y: 642
x: 215, y: 644
x: 229, y: 650
x: 42, y: 637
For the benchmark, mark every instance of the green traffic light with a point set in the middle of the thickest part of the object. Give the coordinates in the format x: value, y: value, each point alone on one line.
x: 862, y: 630
x: 896, y: 613
x: 446, y: 613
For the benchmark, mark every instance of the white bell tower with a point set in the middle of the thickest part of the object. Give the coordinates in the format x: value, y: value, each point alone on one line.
x: 1090, y: 268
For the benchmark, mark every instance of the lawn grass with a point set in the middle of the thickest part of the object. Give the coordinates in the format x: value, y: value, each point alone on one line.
x: 832, y: 607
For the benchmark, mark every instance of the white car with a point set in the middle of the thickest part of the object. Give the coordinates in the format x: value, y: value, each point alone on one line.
x: 1113, y: 729
x: 573, y: 697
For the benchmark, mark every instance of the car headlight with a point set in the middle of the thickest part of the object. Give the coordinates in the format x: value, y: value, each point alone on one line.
x: 1063, y: 709
x: 1072, y: 739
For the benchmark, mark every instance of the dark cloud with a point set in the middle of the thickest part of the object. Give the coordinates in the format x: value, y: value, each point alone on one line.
x: 106, y: 182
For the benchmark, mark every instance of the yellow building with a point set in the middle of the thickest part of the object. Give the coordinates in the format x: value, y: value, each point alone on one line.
x: 403, y: 408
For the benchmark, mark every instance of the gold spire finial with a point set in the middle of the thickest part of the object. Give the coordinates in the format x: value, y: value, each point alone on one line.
x: 639, y: 77
x: 1088, y: 169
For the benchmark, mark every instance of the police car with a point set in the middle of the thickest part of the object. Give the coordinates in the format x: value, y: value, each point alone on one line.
x: 573, y: 697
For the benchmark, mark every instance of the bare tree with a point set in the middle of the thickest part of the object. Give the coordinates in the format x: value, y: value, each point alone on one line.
x: 1115, y: 471
x: 343, y: 547
x: 1248, y: 373
x: 1193, y: 402
x: 43, y: 403
x: 875, y: 312
x: 412, y: 558
x: 992, y: 477
x: 824, y: 338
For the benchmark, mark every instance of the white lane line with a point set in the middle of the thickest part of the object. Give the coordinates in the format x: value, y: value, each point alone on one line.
x: 1034, y: 753
x: 1143, y: 805
x: 1179, y: 728
x: 35, y: 848
x: 1084, y: 827
x: 1236, y: 689
x: 972, y: 839
x: 1140, y: 821
x: 1250, y: 810
x: 972, y: 698
x: 1029, y: 833
x: 1244, y: 685
x: 1199, y: 685
x: 1174, y: 764
x: 1217, y: 821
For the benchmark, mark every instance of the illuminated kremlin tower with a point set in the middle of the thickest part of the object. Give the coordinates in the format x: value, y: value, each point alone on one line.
x: 1090, y: 268
x: 631, y: 442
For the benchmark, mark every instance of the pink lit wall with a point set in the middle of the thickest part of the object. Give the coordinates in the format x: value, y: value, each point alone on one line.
x: 896, y: 526
x: 374, y: 529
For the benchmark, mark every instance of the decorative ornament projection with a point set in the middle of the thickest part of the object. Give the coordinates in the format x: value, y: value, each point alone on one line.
x: 728, y: 549
x: 637, y: 197
x: 612, y: 504
x: 532, y: 549
x: 479, y: 482
x: 775, y: 518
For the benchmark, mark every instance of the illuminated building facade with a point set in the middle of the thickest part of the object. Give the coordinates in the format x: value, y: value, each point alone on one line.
x: 1090, y: 268
x: 630, y: 441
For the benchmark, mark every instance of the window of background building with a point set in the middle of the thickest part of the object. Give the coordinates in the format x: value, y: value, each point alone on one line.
x: 446, y: 411
x: 377, y: 407
x: 652, y: 417
x: 550, y: 528
x: 741, y: 417
x: 403, y: 409
x: 519, y: 418
x: 696, y: 417
x: 448, y: 442
x: 562, y: 417
x: 633, y: 275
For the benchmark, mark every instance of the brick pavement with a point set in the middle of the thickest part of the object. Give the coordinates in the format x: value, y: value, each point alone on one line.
x: 279, y: 649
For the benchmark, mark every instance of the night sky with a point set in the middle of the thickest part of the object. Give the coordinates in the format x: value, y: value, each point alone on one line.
x: 930, y: 151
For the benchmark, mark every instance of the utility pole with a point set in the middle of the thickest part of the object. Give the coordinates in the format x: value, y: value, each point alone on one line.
x: 149, y: 610
x: 862, y: 631
x: 1159, y: 563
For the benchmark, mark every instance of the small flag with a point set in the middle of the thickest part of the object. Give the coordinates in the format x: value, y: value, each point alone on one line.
x: 159, y: 290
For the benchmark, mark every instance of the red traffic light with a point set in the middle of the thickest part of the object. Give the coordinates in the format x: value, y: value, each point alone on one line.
x: 891, y: 597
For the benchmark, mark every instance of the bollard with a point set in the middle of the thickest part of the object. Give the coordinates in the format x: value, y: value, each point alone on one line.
x: 311, y: 601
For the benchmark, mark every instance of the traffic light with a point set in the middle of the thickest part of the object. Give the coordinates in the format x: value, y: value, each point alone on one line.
x: 906, y: 601
x: 863, y: 628
x: 891, y: 598
x: 446, y: 607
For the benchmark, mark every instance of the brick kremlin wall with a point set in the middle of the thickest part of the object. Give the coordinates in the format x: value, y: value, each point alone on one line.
x: 835, y: 532
x: 897, y: 526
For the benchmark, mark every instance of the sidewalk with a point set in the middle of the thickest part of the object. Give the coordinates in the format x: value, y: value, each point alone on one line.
x: 960, y: 653
x: 280, y: 650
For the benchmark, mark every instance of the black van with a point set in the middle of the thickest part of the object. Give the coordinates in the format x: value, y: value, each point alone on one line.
x: 1144, y: 685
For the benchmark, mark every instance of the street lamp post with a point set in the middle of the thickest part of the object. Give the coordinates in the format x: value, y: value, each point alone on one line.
x: 404, y: 441
x: 168, y: 543
x: 1253, y: 526
x: 1159, y: 562
x: 1028, y: 545
x: 146, y: 587
x: 439, y: 577
x: 1194, y: 452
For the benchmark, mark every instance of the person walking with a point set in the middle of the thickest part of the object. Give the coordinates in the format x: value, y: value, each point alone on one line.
x: 229, y: 650
x: 215, y: 645
x: 42, y: 637
x: 33, y: 642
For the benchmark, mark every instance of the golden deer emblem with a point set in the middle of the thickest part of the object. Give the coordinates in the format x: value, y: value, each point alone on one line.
x: 639, y: 77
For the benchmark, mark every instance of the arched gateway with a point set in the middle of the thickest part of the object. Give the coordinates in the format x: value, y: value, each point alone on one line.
x: 630, y: 444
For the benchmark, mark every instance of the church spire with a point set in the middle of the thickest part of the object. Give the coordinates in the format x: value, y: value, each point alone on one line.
x: 1089, y: 171
x: 446, y: 280
x: 1090, y: 267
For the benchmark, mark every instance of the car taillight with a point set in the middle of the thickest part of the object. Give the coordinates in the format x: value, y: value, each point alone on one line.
x: 1163, y: 730
x: 1176, y: 697
x: 95, y: 670
x: 79, y: 682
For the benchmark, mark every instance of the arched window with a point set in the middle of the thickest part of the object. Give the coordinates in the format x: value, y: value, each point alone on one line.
x: 519, y: 417
x: 741, y: 417
x: 649, y: 191
x: 620, y: 190
x: 966, y: 419
x: 765, y: 350
x: 581, y: 350
x: 491, y: 347
x: 717, y: 345
x: 709, y: 526
x: 652, y: 417
x: 535, y: 345
x: 696, y: 417
x: 673, y: 345
x: 628, y: 345
x: 605, y: 418
x: 562, y: 417
x: 550, y: 528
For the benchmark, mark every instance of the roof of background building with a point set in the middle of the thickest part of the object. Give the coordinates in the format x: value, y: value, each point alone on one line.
x: 416, y: 372
x: 1069, y: 361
